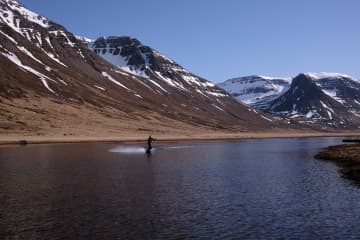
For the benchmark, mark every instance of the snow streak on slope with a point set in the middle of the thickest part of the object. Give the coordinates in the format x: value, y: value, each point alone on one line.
x: 106, y: 75
x: 27, y: 52
x: 13, y: 58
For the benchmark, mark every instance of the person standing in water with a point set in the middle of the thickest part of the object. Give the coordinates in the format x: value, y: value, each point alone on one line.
x: 149, y: 141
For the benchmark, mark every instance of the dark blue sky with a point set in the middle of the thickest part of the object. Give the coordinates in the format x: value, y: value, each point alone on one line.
x: 219, y: 39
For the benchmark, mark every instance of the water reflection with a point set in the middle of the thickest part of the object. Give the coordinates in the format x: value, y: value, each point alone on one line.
x: 254, y: 189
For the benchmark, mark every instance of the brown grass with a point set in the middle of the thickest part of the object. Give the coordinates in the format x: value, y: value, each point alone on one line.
x: 41, y: 120
x: 347, y: 157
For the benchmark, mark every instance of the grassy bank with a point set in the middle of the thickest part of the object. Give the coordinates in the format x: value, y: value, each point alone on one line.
x: 131, y: 137
x: 346, y: 156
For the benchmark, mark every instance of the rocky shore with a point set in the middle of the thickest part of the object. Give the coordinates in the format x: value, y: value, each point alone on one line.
x: 347, y: 157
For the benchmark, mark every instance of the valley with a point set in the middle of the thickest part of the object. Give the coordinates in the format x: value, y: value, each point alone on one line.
x: 55, y: 84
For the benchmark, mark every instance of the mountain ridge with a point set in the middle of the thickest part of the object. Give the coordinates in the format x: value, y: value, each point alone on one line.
x: 327, y: 99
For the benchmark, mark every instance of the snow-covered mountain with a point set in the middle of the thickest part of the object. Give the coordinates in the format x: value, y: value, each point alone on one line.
x: 342, y: 88
x: 328, y: 99
x: 131, y: 56
x: 54, y: 77
x: 256, y: 90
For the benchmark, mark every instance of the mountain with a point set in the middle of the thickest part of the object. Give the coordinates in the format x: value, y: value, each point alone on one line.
x: 256, y: 90
x: 131, y: 56
x: 342, y: 88
x: 52, y: 84
x: 307, y: 102
x: 320, y: 100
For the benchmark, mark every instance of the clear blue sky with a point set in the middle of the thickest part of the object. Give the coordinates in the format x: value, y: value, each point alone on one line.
x: 220, y: 39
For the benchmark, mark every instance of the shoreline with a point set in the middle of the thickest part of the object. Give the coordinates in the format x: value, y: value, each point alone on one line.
x: 15, y: 140
x: 346, y: 157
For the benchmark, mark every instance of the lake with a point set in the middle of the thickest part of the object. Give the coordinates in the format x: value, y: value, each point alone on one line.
x: 249, y: 189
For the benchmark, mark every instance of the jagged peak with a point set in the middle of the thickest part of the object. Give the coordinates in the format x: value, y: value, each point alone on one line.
x: 304, y: 80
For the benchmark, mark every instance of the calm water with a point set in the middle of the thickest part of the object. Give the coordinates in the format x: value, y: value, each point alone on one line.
x: 254, y: 189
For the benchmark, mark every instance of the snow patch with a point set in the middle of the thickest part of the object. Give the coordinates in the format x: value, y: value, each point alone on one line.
x: 101, y: 88
x: 201, y: 92
x: 27, y: 52
x: 84, y: 39
x: 191, y: 80
x: 310, y: 114
x: 170, y: 81
x: 120, y: 61
x: 59, y: 32
x: 13, y: 58
x: 52, y: 56
x: 216, y: 94
x: 47, y: 39
x: 158, y: 85
x: 332, y: 93
x: 268, y: 119
x: 62, y: 81
x: 121, y: 72
x: 329, y: 110
x: 39, y: 39
x: 80, y: 53
x: 217, y: 107
x: 10, y: 38
x: 106, y: 75
x: 327, y: 107
x: 164, y: 57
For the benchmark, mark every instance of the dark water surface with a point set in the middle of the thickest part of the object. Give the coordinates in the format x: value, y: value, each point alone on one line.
x: 254, y: 189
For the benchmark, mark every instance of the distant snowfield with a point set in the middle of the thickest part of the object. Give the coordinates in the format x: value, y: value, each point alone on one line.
x: 254, y: 89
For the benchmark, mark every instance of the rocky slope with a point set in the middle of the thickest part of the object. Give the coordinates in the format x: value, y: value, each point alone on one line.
x: 51, y: 81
